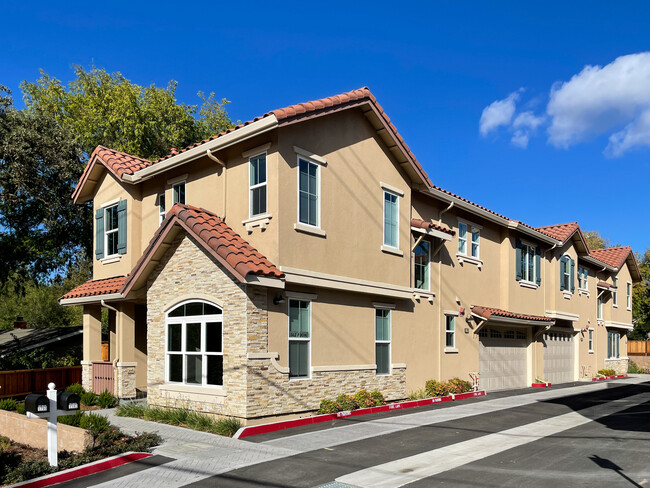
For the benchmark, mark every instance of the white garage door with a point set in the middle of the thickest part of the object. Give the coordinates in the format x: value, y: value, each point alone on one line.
x: 559, y: 352
x: 502, y: 358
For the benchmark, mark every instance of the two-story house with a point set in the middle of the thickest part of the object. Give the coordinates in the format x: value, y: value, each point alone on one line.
x: 306, y: 253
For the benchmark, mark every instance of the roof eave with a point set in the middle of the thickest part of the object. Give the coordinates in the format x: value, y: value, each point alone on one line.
x: 91, y: 299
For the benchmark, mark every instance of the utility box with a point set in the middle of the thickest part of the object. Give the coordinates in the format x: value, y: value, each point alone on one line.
x: 36, y: 403
x: 67, y: 400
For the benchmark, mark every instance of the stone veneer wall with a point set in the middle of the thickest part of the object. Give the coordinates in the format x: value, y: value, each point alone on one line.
x: 253, y: 386
x: 618, y: 365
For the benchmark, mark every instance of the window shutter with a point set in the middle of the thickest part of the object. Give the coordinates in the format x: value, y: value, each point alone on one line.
x: 121, y: 227
x: 538, y: 265
x: 518, y: 259
x: 99, y: 233
x: 572, y: 275
x: 562, y: 268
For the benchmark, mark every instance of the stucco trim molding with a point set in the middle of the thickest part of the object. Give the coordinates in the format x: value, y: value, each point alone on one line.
x: 618, y: 325
x: 195, y: 390
x: 272, y: 356
x: 555, y: 314
x: 256, y: 150
x: 308, y: 154
x: 343, y: 367
x: 191, y: 296
x: 399, y: 366
x: 391, y: 189
x: 344, y: 283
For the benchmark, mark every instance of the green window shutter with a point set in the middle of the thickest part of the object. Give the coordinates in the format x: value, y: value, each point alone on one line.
x: 538, y: 265
x: 572, y: 276
x: 121, y: 227
x: 562, y: 268
x: 518, y: 260
x: 99, y: 233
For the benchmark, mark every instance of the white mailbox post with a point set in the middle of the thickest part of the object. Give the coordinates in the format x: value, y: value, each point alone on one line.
x: 71, y: 403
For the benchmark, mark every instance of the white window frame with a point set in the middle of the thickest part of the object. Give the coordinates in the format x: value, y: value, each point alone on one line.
x: 566, y: 277
x: 525, y: 246
x: 450, y: 333
x: 428, y: 267
x: 599, y: 308
x: 389, y: 341
x: 258, y: 185
x: 383, y: 221
x: 613, y: 344
x: 299, y: 339
x: 203, y: 319
x: 112, y: 231
x: 183, y: 184
x: 471, y: 229
x: 462, y: 239
x: 583, y: 279
x: 590, y: 340
x: 161, y: 208
x: 628, y: 292
x: 615, y: 292
x: 318, y: 165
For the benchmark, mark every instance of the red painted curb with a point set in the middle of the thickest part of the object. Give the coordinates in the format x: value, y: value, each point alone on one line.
x: 541, y: 385
x: 74, y: 473
x: 317, y: 419
x: 615, y: 377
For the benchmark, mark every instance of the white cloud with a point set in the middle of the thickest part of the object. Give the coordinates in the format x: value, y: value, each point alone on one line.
x: 600, y: 100
x: 520, y: 139
x: 527, y: 120
x: 498, y: 113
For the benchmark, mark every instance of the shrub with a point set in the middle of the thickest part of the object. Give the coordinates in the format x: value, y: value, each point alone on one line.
x: 88, y: 398
x: 456, y: 385
x: 632, y: 367
x: 327, y: 406
x: 5, y: 443
x: 363, y: 399
x: 8, y: 404
x: 20, y: 408
x: 418, y: 394
x: 74, y: 420
x: 28, y: 470
x: 95, y: 424
x: 106, y: 400
x: 131, y: 409
x: 76, y: 388
x: 606, y: 372
x: 436, y: 388
x: 378, y: 397
x: 345, y: 402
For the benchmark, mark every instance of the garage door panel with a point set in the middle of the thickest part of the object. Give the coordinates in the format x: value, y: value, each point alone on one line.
x: 502, y: 359
x: 559, y: 357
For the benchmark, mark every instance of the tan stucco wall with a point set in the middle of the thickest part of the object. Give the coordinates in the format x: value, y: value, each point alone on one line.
x: 33, y: 432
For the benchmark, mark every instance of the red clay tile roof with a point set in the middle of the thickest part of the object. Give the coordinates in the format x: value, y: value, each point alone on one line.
x: 424, y: 224
x: 612, y: 256
x: 93, y: 288
x: 604, y: 284
x: 120, y: 162
x: 561, y: 232
x: 487, y: 312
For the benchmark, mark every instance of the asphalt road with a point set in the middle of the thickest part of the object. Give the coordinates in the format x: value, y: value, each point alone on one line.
x: 600, y: 438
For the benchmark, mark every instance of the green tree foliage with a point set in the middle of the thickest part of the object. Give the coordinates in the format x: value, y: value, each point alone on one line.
x: 106, y: 108
x: 641, y: 300
x: 595, y: 240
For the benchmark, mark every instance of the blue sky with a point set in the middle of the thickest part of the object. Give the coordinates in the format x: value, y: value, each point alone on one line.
x: 434, y: 68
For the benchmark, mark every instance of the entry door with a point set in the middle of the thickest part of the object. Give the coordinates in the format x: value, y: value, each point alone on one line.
x: 503, y: 363
x: 559, y: 361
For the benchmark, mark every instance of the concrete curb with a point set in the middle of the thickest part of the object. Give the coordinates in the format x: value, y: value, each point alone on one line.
x: 615, y: 377
x: 288, y: 424
x: 84, y: 470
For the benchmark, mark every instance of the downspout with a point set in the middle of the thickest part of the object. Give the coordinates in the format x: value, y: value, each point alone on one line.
x: 451, y: 205
x: 209, y: 154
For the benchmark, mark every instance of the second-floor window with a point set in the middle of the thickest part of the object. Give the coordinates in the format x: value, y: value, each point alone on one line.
x: 178, y: 193
x: 257, y: 185
x: 615, y: 293
x: 583, y: 278
x: 629, y: 296
x: 308, y: 189
x: 469, y: 240
x: 528, y: 263
x: 599, y: 309
x: 450, y: 331
x: 161, y: 208
x: 110, y: 226
x: 391, y: 219
x: 110, y: 230
x: 422, y: 258
x: 567, y: 270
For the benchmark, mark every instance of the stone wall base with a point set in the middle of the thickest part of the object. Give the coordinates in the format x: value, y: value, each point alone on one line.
x: 125, y: 380
x: 87, y: 375
x: 618, y: 365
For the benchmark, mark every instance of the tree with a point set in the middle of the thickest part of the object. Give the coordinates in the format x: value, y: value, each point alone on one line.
x: 595, y: 240
x: 641, y: 300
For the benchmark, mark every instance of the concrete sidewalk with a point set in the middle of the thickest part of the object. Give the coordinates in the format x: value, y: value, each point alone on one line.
x: 200, y: 455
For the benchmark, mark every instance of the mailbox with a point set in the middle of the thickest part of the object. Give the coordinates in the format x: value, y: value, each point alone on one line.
x: 67, y: 400
x: 36, y: 403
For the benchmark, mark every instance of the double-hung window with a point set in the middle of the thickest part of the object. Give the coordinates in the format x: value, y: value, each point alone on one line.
x: 450, y: 331
x: 299, y: 338
x: 178, y: 193
x: 194, y: 352
x: 469, y: 240
x: 391, y: 219
x: 382, y: 340
x: 583, y: 278
x: 613, y: 340
x: 308, y: 190
x: 422, y: 264
x: 615, y: 293
x: 161, y: 208
x: 528, y: 265
x: 591, y: 340
x: 599, y: 310
x: 567, y: 270
x: 110, y: 230
x: 629, y: 296
x: 257, y: 185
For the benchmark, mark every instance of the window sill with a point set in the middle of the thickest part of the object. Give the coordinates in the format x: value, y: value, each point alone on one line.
x: 451, y: 350
x: 111, y: 259
x: 528, y: 284
x: 383, y: 374
x: 299, y: 378
x: 201, y: 390
x: 392, y: 250
x: 463, y: 258
x: 420, y: 294
x: 309, y: 229
x: 591, y: 351
x: 567, y: 295
x: 600, y: 322
x: 615, y: 306
x: 261, y: 221
x: 582, y: 291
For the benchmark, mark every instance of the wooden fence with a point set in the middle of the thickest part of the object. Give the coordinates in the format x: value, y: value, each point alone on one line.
x: 638, y: 348
x: 25, y: 381
x: 103, y: 376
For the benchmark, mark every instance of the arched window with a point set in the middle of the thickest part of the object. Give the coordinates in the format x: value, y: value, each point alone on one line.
x: 194, y: 344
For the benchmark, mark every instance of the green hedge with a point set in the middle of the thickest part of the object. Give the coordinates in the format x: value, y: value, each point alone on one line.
x: 436, y: 388
x: 606, y: 372
x: 344, y: 403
